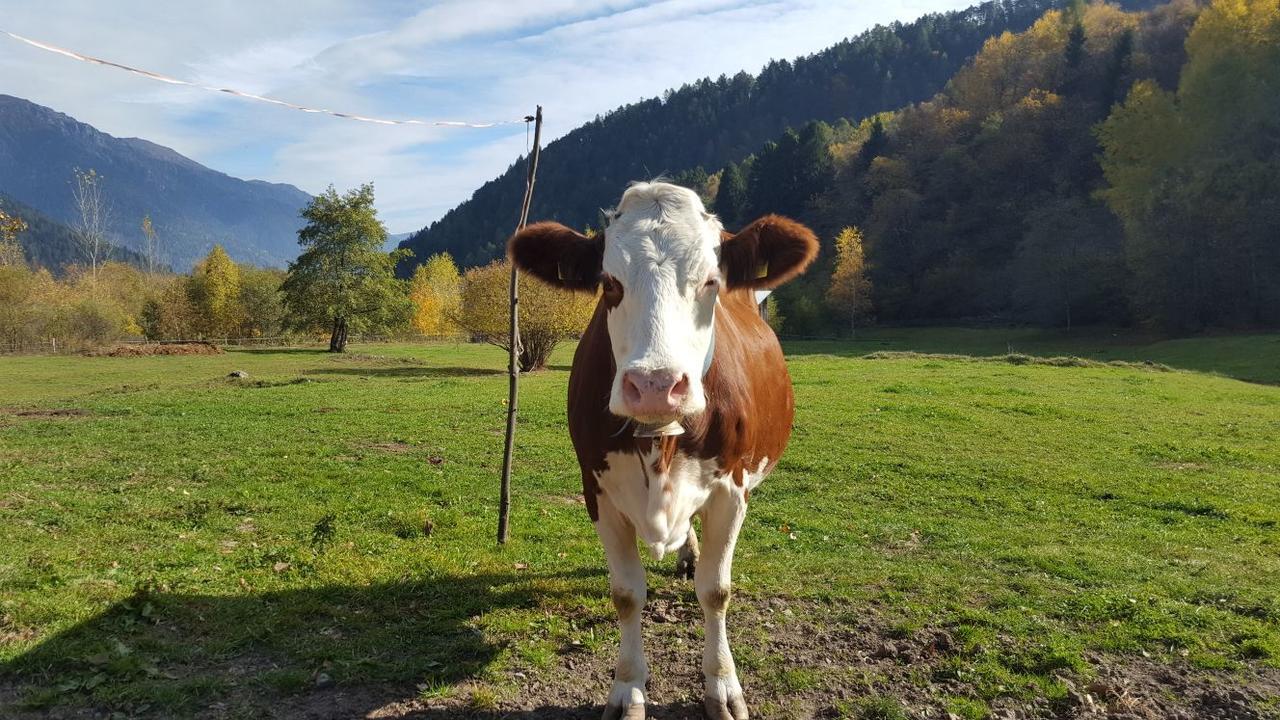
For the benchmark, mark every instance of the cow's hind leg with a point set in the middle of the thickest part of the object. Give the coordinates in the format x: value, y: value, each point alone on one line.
x: 687, y: 560
x: 721, y: 521
x: 627, y: 587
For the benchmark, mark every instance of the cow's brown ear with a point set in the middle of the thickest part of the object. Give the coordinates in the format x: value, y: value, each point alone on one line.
x: 767, y: 253
x: 558, y: 255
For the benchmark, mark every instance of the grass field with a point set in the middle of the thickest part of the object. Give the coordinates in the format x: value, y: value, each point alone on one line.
x: 944, y: 535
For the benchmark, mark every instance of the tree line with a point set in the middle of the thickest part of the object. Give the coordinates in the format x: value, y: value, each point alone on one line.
x: 1102, y: 166
x: 341, y: 284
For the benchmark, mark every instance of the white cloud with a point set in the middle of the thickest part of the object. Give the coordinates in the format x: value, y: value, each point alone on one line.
x: 458, y: 59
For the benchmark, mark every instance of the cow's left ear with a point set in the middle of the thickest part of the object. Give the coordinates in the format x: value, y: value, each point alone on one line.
x: 766, y: 253
x: 558, y: 255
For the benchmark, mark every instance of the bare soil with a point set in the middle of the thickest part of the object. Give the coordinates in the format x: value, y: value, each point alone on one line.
x: 842, y: 665
x: 149, y: 349
x: 798, y: 659
x: 44, y: 412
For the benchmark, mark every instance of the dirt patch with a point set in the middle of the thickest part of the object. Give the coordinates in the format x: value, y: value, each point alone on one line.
x: 252, y: 384
x: 383, y: 359
x: 44, y: 412
x: 1019, y: 359
x: 804, y: 659
x: 798, y: 659
x: 1181, y: 466
x: 395, y: 448
x: 149, y: 349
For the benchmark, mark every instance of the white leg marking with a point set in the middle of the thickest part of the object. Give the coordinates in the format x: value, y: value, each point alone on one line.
x: 721, y: 521
x: 627, y: 587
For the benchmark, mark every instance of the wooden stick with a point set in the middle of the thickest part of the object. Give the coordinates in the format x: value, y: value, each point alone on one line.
x: 513, y: 364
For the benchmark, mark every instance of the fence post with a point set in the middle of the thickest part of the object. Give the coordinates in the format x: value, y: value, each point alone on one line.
x: 513, y: 365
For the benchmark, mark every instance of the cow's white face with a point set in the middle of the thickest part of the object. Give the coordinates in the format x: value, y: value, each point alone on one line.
x: 661, y: 282
x: 661, y: 264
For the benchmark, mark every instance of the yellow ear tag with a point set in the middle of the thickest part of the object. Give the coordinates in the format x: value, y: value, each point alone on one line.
x: 762, y: 270
x: 559, y: 272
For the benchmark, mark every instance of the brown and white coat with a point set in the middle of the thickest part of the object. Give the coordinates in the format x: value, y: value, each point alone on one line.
x: 676, y: 345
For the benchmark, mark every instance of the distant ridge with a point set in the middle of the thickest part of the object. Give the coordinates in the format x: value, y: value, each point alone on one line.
x: 192, y: 206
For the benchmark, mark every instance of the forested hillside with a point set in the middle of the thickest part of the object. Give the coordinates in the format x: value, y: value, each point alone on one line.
x: 49, y: 244
x: 713, y: 122
x: 983, y: 201
x: 1100, y: 167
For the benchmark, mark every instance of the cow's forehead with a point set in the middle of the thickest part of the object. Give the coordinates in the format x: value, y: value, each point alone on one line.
x: 660, y: 224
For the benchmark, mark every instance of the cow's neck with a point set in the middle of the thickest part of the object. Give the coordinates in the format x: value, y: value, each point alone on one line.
x: 711, y: 350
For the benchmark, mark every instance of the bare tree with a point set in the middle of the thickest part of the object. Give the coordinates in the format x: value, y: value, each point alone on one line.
x: 94, y: 217
x: 152, y: 245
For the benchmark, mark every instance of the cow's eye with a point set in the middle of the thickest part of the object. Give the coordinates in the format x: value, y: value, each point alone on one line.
x: 712, y: 282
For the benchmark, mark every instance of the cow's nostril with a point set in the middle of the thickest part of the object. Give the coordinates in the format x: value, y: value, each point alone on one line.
x: 681, y: 388
x: 629, y: 388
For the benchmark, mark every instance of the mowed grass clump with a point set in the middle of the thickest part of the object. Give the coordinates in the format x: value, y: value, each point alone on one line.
x: 963, y: 534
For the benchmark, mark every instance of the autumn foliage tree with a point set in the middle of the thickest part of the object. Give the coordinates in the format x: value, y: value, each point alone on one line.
x: 215, y: 292
x: 1194, y: 173
x: 261, y: 302
x: 169, y: 313
x: 547, y: 314
x: 10, y: 252
x: 849, y: 295
x: 151, y: 245
x: 343, y: 280
x: 435, y: 291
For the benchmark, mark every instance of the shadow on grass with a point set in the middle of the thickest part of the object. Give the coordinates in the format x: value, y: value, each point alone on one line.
x: 580, y: 712
x: 1252, y: 363
x: 279, y: 350
x: 253, y: 655
x: 411, y: 371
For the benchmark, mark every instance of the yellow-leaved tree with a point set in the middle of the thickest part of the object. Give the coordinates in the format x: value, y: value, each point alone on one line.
x: 170, y: 314
x: 547, y: 314
x: 850, y: 292
x: 436, y: 292
x: 1193, y: 176
x: 10, y: 251
x: 215, y: 291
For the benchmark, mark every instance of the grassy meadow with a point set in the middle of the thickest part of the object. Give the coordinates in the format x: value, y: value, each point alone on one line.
x: 943, y: 535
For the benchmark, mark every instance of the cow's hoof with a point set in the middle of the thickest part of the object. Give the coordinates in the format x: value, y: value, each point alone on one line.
x: 623, y: 712
x: 735, y: 708
x: 685, y: 566
x: 626, y: 702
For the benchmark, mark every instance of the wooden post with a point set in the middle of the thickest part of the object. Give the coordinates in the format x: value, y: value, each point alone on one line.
x: 513, y: 362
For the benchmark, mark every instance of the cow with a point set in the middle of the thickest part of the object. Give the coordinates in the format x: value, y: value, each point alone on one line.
x: 679, y: 400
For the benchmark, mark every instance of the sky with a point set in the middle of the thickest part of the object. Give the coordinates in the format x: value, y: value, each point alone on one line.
x: 467, y: 60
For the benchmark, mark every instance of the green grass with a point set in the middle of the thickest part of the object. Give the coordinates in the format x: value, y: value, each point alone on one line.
x: 1255, y: 358
x: 185, y: 536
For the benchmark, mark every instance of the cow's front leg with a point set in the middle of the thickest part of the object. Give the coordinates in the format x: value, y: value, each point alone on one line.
x: 721, y: 521
x: 626, y: 580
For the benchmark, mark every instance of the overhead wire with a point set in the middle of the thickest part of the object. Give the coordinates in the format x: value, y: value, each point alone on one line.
x: 170, y: 80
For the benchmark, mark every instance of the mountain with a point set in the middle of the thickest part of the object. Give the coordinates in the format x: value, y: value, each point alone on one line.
x: 191, y: 206
x: 394, y: 240
x: 50, y: 244
x: 713, y: 122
